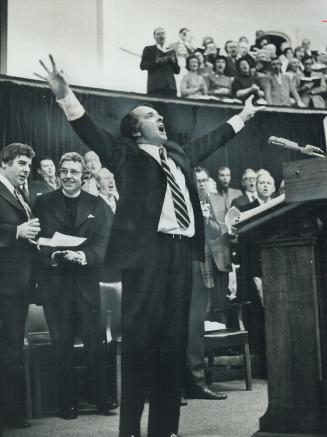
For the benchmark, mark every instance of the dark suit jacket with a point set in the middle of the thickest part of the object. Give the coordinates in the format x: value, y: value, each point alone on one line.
x: 16, y: 255
x: 141, y: 183
x: 91, y: 223
x: 160, y: 75
x: 241, y: 202
x: 37, y: 188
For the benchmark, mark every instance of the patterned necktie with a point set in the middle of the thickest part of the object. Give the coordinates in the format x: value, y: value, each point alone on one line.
x: 181, y: 212
x: 24, y: 204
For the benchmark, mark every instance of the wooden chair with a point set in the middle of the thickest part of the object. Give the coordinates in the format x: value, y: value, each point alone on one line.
x: 216, y: 341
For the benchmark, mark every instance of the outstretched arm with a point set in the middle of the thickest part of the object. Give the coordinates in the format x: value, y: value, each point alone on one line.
x: 94, y: 136
x: 201, y: 148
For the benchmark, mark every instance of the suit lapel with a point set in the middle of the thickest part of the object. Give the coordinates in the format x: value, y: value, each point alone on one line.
x: 6, y: 194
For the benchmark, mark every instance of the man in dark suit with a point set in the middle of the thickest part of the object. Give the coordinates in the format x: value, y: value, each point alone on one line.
x: 161, y: 63
x: 209, y: 288
x: 68, y: 281
x: 249, y: 182
x: 48, y: 182
x: 17, y: 228
x: 158, y: 227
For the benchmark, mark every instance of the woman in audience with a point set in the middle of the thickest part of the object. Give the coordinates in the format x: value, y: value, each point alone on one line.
x: 299, y: 53
x: 193, y: 86
x: 294, y: 72
x: 205, y: 69
x: 244, y: 84
x: 220, y: 85
x: 286, y: 58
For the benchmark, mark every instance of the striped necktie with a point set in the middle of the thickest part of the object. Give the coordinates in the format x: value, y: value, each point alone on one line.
x: 23, y: 203
x: 181, y: 212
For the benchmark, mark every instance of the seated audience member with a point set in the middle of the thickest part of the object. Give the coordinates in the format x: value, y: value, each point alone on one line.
x: 209, y: 289
x: 278, y: 87
x: 244, y: 85
x: 48, y: 182
x: 205, y: 68
x: 294, y: 72
x: 220, y: 85
x: 231, y: 58
x: 161, y: 64
x: 210, y: 53
x: 299, y: 53
x: 286, y: 58
x: 226, y: 193
x: 69, y: 282
x: 185, y: 38
x: 312, y: 86
x: 17, y: 228
x: 243, y: 48
x: 193, y: 86
x: 92, y: 166
x: 249, y: 182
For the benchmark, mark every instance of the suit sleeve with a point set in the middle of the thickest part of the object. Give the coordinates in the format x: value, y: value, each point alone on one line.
x: 7, y: 234
x: 96, y: 247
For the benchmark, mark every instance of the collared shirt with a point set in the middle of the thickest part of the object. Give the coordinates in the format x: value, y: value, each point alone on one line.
x: 262, y: 201
x: 251, y: 196
x: 72, y: 196
x: 168, y: 222
x: 163, y: 48
x: 110, y: 201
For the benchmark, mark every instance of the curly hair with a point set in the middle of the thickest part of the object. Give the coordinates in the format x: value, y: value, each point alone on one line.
x: 10, y: 152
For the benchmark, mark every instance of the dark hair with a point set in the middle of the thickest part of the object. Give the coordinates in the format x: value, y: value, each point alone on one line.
x: 43, y: 158
x: 223, y: 167
x: 286, y: 50
x: 199, y: 169
x: 184, y: 30
x: 10, y: 152
x: 130, y: 122
x: 219, y: 58
x: 238, y: 63
x: 188, y: 60
x: 205, y: 38
x: 226, y: 44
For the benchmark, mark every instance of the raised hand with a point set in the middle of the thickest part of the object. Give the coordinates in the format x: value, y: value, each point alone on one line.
x: 55, y: 78
x: 249, y: 110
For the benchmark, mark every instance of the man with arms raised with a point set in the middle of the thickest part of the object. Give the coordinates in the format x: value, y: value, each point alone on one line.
x: 158, y: 227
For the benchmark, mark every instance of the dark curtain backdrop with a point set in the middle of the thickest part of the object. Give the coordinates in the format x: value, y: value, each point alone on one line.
x: 30, y: 114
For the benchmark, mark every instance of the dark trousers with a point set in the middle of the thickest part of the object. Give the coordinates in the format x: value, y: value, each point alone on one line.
x: 13, y: 313
x: 68, y: 313
x: 155, y: 305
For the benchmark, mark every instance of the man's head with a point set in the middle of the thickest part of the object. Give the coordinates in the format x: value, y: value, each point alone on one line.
x: 224, y: 177
x: 46, y: 168
x: 265, y: 186
x: 306, y: 43
x: 202, y: 179
x: 299, y: 52
x: 243, y: 48
x: 294, y: 65
x: 276, y: 65
x: 227, y: 46
x: 206, y: 40
x: 144, y: 125
x: 92, y: 162
x: 307, y: 64
x: 106, y: 182
x: 16, y: 159
x: 211, y: 49
x: 249, y: 180
x: 233, y: 48
x: 71, y: 171
x: 186, y: 35
x: 220, y: 64
x: 159, y: 35
x: 271, y: 50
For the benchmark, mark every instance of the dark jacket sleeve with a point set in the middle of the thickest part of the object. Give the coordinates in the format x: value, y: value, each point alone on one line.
x: 7, y: 234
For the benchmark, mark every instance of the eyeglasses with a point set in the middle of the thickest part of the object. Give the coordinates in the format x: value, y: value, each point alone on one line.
x: 65, y: 172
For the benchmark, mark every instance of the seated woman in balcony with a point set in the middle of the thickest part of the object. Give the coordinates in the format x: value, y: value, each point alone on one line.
x: 220, y: 85
x: 244, y: 84
x: 193, y: 86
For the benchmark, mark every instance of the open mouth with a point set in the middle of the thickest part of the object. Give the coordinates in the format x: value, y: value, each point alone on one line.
x: 162, y: 128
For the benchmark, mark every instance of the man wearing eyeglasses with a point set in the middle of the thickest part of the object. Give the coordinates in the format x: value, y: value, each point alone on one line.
x: 278, y: 87
x: 68, y: 281
x: 249, y: 182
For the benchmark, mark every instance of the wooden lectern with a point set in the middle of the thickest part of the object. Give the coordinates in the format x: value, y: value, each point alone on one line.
x: 293, y: 246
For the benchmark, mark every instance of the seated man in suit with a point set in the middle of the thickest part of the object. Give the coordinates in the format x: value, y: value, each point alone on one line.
x: 17, y: 229
x: 209, y: 288
x: 161, y: 64
x: 249, y: 182
x: 225, y: 192
x: 48, y: 182
x: 68, y: 279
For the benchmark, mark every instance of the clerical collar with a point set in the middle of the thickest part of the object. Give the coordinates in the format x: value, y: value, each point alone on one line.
x: 71, y: 196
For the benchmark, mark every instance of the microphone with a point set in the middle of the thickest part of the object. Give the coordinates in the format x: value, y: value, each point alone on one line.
x: 307, y: 150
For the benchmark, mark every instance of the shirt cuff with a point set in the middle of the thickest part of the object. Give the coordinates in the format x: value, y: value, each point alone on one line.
x: 237, y: 123
x: 71, y: 106
x: 82, y: 257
